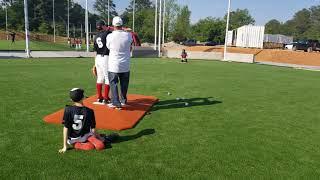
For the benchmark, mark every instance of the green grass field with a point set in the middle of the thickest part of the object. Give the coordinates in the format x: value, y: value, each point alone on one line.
x: 244, y: 121
x: 35, y: 46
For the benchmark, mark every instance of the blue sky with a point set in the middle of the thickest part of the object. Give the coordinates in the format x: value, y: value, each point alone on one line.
x: 261, y: 10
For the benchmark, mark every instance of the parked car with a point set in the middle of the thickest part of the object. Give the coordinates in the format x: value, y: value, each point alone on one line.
x: 190, y: 42
x: 306, y: 45
x: 289, y: 46
x: 211, y: 43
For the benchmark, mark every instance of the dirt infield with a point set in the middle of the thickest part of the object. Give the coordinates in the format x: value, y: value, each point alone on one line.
x: 266, y: 55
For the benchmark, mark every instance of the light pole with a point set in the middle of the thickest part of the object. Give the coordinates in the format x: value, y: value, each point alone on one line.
x: 54, y: 23
x: 108, y: 12
x: 26, y: 25
x: 7, y: 20
x: 68, y: 28
x: 155, y: 24
x: 87, y: 26
x: 227, y: 29
x: 159, y: 36
x: 163, y: 21
x: 134, y: 9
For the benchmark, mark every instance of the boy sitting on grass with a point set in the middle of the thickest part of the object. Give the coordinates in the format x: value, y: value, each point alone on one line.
x: 79, y: 125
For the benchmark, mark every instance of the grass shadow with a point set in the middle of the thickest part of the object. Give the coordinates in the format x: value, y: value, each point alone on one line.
x: 144, y: 132
x: 184, y: 103
x: 114, y: 138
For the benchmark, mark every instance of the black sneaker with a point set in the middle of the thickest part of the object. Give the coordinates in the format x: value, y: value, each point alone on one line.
x: 106, y: 101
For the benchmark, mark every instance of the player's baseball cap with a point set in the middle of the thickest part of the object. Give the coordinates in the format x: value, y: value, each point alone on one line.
x: 76, y: 94
x: 100, y: 23
x: 117, y: 21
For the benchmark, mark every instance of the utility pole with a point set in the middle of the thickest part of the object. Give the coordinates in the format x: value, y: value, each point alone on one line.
x: 68, y: 28
x: 164, y: 19
x: 26, y: 25
x: 87, y: 26
x: 134, y: 9
x: 227, y: 29
x: 54, y: 23
x: 108, y: 12
x: 7, y: 20
x: 155, y: 25
x: 160, y: 23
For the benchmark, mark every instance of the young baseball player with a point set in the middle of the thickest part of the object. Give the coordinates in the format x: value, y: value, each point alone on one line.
x: 184, y: 56
x: 100, y: 68
x: 79, y: 125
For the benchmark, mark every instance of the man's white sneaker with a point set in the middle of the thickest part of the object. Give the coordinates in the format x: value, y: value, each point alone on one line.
x: 110, y: 105
x: 123, y: 104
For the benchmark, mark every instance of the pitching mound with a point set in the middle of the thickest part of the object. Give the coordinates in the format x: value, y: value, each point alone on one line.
x: 111, y: 119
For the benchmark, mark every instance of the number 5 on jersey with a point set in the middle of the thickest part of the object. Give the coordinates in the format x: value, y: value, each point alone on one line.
x: 77, y: 122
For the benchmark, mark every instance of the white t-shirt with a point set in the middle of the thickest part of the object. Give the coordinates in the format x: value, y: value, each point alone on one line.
x: 119, y: 43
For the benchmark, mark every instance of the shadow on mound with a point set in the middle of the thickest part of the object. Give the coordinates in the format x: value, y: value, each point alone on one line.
x: 185, y: 103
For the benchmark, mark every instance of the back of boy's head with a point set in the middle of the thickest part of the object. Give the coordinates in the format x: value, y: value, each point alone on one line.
x: 76, y: 94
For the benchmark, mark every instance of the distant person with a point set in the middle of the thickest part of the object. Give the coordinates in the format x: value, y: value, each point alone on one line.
x: 13, y: 37
x: 119, y: 42
x: 184, y: 56
x: 74, y: 43
x: 69, y: 42
x: 79, y: 125
x: 77, y: 43
x: 80, y: 43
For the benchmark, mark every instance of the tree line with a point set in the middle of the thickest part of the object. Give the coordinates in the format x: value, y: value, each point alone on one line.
x: 304, y: 24
x: 41, y: 16
x: 177, y: 20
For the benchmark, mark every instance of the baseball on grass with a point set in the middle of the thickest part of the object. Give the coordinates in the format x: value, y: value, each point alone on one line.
x: 186, y: 104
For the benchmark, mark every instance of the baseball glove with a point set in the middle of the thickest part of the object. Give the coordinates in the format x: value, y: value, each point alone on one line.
x: 94, y: 71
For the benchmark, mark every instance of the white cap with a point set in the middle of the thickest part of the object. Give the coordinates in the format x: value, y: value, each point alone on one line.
x: 117, y: 21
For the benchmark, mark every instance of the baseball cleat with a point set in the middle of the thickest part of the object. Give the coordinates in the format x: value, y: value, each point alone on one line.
x: 99, y: 102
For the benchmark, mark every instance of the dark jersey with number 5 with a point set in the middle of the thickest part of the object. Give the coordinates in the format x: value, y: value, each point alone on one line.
x: 78, y: 120
x: 100, y: 43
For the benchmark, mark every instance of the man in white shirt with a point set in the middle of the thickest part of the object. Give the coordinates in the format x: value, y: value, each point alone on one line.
x: 119, y: 43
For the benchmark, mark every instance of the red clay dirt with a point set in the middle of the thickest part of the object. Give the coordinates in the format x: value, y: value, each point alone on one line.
x: 267, y: 55
x: 111, y: 119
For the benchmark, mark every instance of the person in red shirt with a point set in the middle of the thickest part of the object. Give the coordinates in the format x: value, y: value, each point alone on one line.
x: 184, y: 56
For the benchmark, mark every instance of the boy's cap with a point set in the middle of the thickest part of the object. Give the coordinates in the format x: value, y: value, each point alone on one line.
x: 76, y: 94
x: 117, y: 21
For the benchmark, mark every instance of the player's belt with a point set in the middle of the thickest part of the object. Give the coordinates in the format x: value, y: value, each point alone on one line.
x: 103, y: 55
